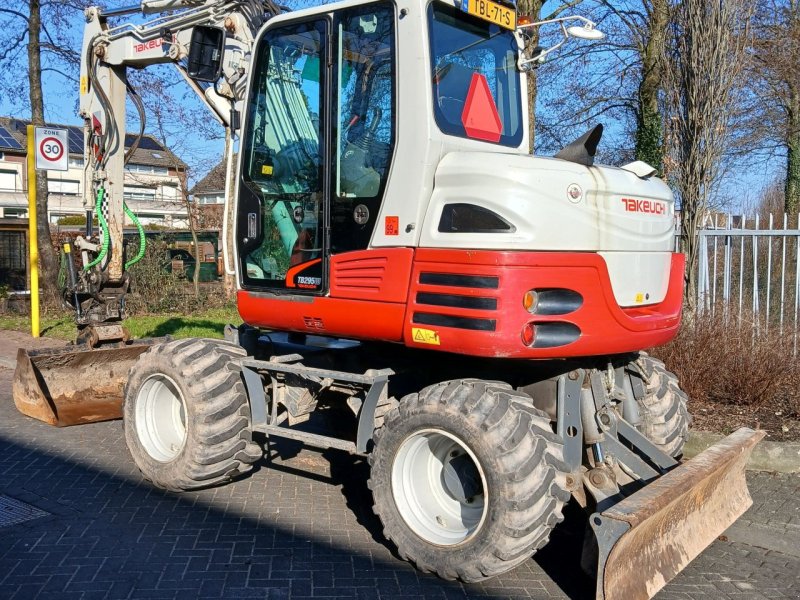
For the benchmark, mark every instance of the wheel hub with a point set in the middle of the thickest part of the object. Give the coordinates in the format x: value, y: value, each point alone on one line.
x: 461, y: 477
x: 161, y: 417
x: 439, y: 487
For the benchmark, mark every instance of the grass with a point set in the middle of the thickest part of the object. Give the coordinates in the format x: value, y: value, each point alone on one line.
x: 208, y: 324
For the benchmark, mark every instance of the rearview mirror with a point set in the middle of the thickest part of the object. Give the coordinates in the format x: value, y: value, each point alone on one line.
x: 205, y: 53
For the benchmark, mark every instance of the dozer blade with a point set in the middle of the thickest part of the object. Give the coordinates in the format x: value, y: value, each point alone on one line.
x: 649, y: 537
x: 72, y: 386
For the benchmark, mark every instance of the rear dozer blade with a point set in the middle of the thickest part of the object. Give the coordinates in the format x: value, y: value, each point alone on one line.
x: 649, y: 537
x: 72, y: 386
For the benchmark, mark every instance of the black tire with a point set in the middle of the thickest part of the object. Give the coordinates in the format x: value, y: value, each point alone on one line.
x: 519, y: 460
x: 665, y: 418
x: 205, y: 442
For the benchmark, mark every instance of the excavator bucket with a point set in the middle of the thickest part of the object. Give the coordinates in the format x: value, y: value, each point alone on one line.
x: 72, y: 386
x: 649, y: 537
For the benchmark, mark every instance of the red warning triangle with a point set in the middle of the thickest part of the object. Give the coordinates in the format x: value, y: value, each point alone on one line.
x: 480, y: 118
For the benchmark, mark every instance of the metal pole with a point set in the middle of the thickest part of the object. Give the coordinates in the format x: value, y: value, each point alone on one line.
x: 769, y: 274
x: 783, y: 268
x: 33, y: 239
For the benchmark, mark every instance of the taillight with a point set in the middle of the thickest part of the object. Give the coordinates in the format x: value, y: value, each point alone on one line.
x: 528, y: 334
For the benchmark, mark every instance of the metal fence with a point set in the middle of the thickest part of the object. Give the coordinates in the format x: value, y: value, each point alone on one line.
x: 749, y: 270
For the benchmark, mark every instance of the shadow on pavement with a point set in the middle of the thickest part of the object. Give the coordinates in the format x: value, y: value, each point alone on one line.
x: 110, y: 535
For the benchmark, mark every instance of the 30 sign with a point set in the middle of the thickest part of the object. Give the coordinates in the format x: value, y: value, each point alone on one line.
x: 51, y: 149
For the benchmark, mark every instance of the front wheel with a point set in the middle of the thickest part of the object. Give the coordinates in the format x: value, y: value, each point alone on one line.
x: 187, y: 416
x: 467, y: 478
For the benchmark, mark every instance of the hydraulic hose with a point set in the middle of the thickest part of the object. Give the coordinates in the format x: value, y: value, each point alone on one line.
x: 142, y: 240
x: 98, y: 209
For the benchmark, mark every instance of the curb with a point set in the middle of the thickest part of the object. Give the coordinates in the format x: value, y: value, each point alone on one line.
x: 777, y: 457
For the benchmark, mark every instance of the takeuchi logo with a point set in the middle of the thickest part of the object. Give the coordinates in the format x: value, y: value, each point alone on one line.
x: 651, y: 207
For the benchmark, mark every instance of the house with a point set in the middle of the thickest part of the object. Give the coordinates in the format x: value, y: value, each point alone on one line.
x: 208, y: 195
x: 153, y: 185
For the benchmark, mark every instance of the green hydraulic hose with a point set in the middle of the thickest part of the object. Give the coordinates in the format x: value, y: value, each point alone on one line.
x: 98, y: 209
x: 142, y: 240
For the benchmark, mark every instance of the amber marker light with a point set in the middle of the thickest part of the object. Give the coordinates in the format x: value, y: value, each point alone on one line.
x: 529, y: 301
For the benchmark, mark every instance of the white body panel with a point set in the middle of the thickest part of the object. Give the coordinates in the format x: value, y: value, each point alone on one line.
x: 532, y: 194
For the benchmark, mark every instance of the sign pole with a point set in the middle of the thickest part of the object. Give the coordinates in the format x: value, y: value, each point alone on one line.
x: 33, y: 239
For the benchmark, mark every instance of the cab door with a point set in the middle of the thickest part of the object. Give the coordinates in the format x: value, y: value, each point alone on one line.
x: 284, y: 174
x: 319, y: 140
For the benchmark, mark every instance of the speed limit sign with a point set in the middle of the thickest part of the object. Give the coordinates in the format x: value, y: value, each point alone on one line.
x: 51, y: 149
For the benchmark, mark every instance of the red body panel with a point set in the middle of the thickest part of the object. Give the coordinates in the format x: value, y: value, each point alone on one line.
x: 470, y: 302
x: 367, y: 299
x: 605, y: 328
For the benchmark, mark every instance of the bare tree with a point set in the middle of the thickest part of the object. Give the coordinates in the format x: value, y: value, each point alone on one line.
x: 533, y: 9
x: 709, y: 42
x: 619, y: 79
x: 35, y: 28
x: 771, y: 119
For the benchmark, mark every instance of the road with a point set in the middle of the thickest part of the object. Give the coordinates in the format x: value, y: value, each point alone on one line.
x: 301, y: 526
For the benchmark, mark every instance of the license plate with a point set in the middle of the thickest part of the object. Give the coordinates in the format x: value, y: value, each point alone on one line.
x: 493, y: 12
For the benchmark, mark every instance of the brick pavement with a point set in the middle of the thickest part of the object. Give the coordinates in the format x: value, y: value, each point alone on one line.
x: 301, y: 527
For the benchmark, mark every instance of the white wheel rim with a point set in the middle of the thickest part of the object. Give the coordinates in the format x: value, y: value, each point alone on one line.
x: 423, y: 487
x: 161, y: 418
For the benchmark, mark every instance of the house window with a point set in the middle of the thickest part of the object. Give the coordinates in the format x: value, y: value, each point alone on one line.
x: 67, y: 187
x: 8, y: 180
x: 211, y: 199
x: 75, y: 162
x: 139, y: 193
x: 149, y: 169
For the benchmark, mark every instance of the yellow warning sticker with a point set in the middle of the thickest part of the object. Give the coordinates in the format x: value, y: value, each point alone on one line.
x: 639, y: 298
x: 425, y: 336
x: 84, y: 85
x: 266, y: 169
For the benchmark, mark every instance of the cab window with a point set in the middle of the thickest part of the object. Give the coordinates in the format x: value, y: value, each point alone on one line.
x: 474, y: 74
x: 364, y: 121
x: 282, y: 164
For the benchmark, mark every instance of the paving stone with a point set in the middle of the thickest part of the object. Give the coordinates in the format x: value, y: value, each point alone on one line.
x: 300, y: 527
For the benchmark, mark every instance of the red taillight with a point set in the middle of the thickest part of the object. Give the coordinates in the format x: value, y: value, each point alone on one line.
x: 528, y: 334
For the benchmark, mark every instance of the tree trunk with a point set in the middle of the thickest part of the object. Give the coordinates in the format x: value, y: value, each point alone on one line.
x: 649, y: 132
x: 47, y: 255
x: 191, y: 215
x: 532, y: 8
x: 792, y: 190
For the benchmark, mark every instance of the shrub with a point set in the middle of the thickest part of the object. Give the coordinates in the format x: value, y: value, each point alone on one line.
x: 734, y: 362
x: 156, y: 289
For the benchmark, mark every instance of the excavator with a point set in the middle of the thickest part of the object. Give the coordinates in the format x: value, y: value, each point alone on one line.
x: 415, y: 287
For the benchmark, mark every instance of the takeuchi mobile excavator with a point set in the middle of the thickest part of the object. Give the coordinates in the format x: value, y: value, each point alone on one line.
x: 469, y: 317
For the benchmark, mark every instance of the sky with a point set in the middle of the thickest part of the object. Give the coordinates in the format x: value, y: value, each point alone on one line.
x: 743, y: 184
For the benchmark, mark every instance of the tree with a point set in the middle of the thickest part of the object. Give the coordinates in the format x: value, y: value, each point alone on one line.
x: 58, y: 55
x: 619, y: 79
x: 772, y: 117
x: 533, y: 9
x: 708, y: 48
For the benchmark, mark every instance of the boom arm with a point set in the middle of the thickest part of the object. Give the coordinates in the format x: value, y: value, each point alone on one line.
x: 210, y: 43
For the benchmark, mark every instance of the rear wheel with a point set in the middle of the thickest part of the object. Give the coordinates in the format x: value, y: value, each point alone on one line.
x: 467, y: 478
x: 664, y: 415
x: 186, y: 415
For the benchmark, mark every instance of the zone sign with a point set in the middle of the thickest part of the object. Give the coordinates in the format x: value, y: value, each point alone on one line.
x: 51, y: 149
